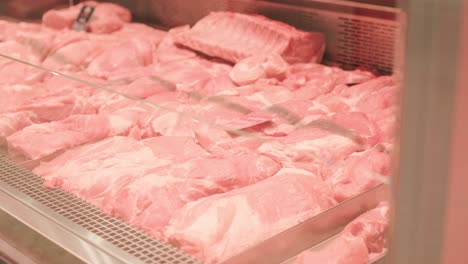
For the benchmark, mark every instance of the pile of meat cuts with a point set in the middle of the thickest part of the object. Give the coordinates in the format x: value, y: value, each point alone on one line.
x: 241, y: 135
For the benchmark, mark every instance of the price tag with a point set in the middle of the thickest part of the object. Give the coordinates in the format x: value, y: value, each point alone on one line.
x: 83, y: 18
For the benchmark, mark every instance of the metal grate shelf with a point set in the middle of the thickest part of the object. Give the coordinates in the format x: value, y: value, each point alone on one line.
x: 120, y: 234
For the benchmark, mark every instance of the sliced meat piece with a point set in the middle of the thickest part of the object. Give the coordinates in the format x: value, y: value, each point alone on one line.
x: 78, y: 54
x: 250, y: 120
x: 371, y: 227
x: 267, y: 95
x: 147, y: 204
x: 142, y: 88
x: 54, y: 108
x: 14, y: 96
x: 387, y: 121
x: 358, y: 126
x: 13, y: 72
x: 224, y: 219
x: 70, y: 132
x: 235, y: 36
x: 177, y: 148
x: 356, y: 244
x: 300, y: 74
x: 358, y: 173
x: 384, y: 98
x: 311, y: 143
x: 133, y: 29
x: 12, y: 122
x: 168, y: 51
x: 94, y: 169
x: 128, y: 54
x: 356, y: 92
x: 251, y: 69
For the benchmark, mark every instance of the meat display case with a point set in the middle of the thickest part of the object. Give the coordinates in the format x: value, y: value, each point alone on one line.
x: 42, y: 225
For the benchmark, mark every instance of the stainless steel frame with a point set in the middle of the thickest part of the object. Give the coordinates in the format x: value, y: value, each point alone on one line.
x: 428, y: 122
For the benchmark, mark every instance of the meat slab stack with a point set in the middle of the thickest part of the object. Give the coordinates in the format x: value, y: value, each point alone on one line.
x: 242, y: 134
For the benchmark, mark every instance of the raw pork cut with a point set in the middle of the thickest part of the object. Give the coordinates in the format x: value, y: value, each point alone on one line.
x: 53, y: 108
x: 168, y: 51
x: 361, y: 239
x: 133, y: 29
x: 235, y: 36
x: 371, y: 227
x: 91, y: 171
x: 358, y: 173
x: 12, y: 122
x: 106, y: 18
x: 140, y: 87
x: 14, y: 96
x: 70, y: 132
x: 149, y: 202
x: 131, y: 53
x: 320, y: 140
x: 215, y: 228
x: 76, y: 53
x: 299, y: 75
x: 13, y: 72
x: 251, y: 69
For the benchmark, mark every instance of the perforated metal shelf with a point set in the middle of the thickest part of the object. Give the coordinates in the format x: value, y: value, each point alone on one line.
x: 124, y: 237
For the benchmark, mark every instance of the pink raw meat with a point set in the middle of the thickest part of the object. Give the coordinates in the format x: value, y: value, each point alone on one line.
x: 168, y: 51
x: 211, y: 86
x: 214, y: 228
x: 147, y: 203
x: 298, y: 75
x: 357, y: 92
x: 120, y: 161
x: 310, y: 143
x: 288, y: 114
x: 133, y: 29
x: 386, y: 120
x: 362, y: 238
x: 342, y: 250
x: 70, y: 132
x: 91, y: 170
x: 142, y: 88
x: 13, y: 96
x: 78, y: 54
x: 12, y: 122
x: 53, y: 108
x: 247, y: 121
x: 358, y: 126
x: 358, y: 173
x: 381, y: 99
x: 224, y: 108
x: 251, y: 69
x: 106, y: 18
x: 234, y: 36
x: 175, y: 148
x: 196, y: 75
x: 371, y: 227
x: 332, y: 103
x: 13, y: 72
x: 128, y: 54
x: 268, y: 95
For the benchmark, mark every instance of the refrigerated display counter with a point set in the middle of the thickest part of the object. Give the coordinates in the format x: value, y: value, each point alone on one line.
x: 220, y: 131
